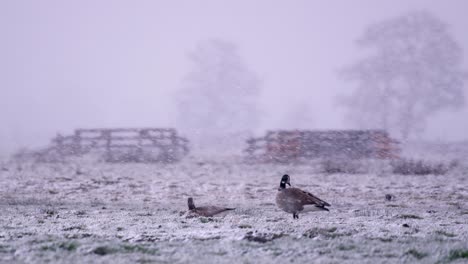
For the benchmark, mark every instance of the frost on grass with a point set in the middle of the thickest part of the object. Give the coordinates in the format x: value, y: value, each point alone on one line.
x: 137, y: 213
x: 457, y: 254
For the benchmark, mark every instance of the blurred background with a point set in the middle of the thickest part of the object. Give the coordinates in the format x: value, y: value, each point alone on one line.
x: 214, y: 69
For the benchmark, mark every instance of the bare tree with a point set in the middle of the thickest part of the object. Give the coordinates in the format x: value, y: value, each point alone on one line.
x: 413, y: 71
x: 218, y: 100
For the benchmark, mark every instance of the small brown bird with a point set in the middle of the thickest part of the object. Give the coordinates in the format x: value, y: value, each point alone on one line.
x: 206, y: 211
x: 295, y: 200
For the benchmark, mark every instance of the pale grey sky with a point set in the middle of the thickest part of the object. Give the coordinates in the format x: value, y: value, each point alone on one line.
x: 108, y: 63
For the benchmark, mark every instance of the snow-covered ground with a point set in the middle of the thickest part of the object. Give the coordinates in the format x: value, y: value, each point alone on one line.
x: 120, y: 213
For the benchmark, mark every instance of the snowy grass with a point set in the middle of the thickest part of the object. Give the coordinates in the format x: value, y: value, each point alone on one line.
x: 421, y: 167
x: 83, y: 212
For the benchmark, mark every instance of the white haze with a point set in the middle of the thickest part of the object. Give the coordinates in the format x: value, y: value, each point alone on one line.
x: 84, y: 64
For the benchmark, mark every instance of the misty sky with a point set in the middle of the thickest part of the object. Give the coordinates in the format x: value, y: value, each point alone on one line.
x: 108, y: 63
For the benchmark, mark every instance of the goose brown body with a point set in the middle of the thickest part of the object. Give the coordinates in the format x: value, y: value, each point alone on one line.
x: 295, y: 200
x: 206, y: 211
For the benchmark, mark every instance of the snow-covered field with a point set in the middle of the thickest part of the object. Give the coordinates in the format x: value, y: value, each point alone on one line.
x: 121, y: 213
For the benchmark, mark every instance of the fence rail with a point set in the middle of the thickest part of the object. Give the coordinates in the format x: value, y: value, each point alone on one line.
x: 119, y: 145
x: 293, y: 145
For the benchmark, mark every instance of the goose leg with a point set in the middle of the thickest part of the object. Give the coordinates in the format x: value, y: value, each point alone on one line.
x: 295, y: 216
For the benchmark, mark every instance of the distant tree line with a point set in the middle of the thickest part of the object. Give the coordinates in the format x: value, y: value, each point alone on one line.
x: 412, y: 71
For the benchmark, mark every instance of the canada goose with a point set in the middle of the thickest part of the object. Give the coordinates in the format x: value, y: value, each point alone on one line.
x: 205, y: 210
x: 295, y: 200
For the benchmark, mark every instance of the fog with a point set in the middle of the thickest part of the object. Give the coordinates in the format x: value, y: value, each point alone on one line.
x: 351, y: 115
x: 86, y: 64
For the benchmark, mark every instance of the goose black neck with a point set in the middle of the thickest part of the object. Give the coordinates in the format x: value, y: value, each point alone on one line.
x: 191, y: 205
x: 283, y: 185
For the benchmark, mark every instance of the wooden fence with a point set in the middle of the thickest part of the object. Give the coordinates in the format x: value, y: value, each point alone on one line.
x: 119, y: 145
x: 293, y: 145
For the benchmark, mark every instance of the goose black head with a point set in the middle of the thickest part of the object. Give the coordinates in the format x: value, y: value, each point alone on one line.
x: 284, y: 181
x: 191, y: 205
